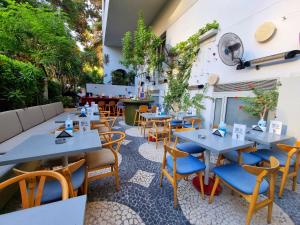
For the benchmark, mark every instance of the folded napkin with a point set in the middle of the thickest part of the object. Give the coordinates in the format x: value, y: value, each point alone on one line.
x: 63, y: 133
x: 218, y: 132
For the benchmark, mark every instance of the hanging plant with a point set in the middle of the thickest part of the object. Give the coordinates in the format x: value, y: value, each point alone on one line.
x: 180, y: 61
x: 140, y: 50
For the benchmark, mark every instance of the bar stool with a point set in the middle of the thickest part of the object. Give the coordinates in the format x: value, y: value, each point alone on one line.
x: 111, y: 107
x: 120, y: 109
x: 137, y: 117
x: 101, y: 105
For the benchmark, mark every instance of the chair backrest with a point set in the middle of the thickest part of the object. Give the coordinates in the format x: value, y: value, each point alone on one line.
x: 193, y: 121
x: 165, y: 123
x: 175, y: 153
x: 153, y: 108
x: 101, y: 103
x: 291, y: 151
x: 110, y: 140
x: 32, y: 185
x: 143, y: 108
x: 262, y: 172
x: 182, y: 130
x: 111, y: 103
x: 66, y: 171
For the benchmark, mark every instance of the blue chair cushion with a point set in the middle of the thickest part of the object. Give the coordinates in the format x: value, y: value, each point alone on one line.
x: 121, y: 106
x: 237, y: 177
x: 247, y: 158
x: 190, y: 147
x: 52, y: 188
x: 176, y: 122
x: 281, y: 156
x: 186, y: 165
x: 189, y: 125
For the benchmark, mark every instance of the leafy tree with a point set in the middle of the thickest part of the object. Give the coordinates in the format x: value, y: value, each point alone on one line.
x: 263, y: 102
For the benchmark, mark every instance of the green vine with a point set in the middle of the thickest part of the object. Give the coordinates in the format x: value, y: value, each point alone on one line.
x: 180, y: 60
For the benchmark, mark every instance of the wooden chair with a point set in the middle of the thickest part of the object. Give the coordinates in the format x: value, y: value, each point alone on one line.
x: 249, y: 182
x: 111, y: 106
x: 289, y: 159
x: 241, y: 156
x: 160, y: 130
x: 193, y: 122
x: 75, y: 175
x: 182, y: 165
x: 101, y: 105
x: 106, y: 157
x: 137, y: 116
x: 120, y: 108
x: 189, y: 147
x: 32, y: 186
x: 105, y: 124
x: 153, y: 109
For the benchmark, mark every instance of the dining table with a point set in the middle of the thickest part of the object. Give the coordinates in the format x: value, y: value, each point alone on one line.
x: 44, y: 146
x: 65, y: 212
x: 212, y: 143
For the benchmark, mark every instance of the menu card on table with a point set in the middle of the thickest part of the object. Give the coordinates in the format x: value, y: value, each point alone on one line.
x: 275, y: 127
x: 239, y: 132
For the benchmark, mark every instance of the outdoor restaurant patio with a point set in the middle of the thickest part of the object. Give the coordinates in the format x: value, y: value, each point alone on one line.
x: 130, y: 120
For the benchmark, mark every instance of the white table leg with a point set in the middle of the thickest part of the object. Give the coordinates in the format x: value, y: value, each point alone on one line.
x: 207, y: 164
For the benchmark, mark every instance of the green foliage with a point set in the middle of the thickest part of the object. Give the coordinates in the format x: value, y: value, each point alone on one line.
x: 263, y: 102
x: 21, y: 83
x: 127, y: 51
x: 54, y: 89
x: 141, y: 50
x: 67, y: 101
x: 121, y: 78
x: 180, y: 61
x: 196, y: 101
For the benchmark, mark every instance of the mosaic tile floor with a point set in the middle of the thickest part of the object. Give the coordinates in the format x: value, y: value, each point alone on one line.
x: 142, y: 201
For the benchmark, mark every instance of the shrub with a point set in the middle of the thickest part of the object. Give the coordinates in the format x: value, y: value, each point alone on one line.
x: 54, y: 89
x: 21, y: 84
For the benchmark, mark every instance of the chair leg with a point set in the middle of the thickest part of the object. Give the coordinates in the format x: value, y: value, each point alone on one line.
x: 212, y: 195
x: 294, y: 183
x: 251, y: 209
x: 200, y: 175
x: 283, y: 181
x: 175, y: 193
x: 117, y: 177
x: 161, y: 178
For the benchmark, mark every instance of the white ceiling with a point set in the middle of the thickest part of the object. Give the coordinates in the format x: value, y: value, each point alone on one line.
x: 123, y: 14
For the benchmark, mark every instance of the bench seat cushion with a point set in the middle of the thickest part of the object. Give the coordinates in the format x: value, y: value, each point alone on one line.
x: 59, y: 108
x: 49, y: 110
x: 10, y: 125
x: 30, y: 117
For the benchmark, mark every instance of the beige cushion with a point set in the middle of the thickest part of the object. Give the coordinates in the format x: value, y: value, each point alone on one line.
x: 10, y: 125
x: 59, y: 108
x: 102, y: 157
x: 30, y: 117
x: 49, y: 110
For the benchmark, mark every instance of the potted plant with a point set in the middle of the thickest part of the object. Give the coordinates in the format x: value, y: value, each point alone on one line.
x: 263, y: 102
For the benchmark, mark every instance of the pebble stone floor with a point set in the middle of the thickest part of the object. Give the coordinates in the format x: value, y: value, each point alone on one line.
x: 142, y: 201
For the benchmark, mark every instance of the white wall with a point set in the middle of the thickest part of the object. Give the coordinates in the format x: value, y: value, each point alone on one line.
x: 115, y: 55
x: 241, y: 17
x: 110, y: 90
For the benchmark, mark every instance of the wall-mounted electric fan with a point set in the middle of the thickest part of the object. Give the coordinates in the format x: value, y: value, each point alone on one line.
x: 231, y: 50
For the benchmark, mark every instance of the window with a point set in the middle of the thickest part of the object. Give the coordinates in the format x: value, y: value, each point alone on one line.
x: 228, y: 108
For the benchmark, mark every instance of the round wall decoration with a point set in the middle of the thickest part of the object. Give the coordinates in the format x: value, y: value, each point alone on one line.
x: 265, y: 31
x: 213, y: 79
